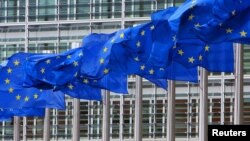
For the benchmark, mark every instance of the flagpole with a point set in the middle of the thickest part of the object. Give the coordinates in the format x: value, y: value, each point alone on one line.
x: 16, y: 135
x: 76, y: 110
x: 238, y: 100
x: 171, y: 111
x: 76, y: 120
x: 106, y: 116
x: 24, y: 128
x: 138, y: 110
x: 46, y: 125
x: 203, y: 113
x: 122, y: 97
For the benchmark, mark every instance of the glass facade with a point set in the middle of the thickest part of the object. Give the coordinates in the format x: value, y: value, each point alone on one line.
x: 53, y: 25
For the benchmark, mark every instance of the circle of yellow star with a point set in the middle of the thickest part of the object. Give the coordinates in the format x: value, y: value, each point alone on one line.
x: 105, y: 49
x: 16, y: 63
x: 143, y: 33
x: 207, y: 48
x: 142, y: 67
x: 229, y: 30
x: 35, y: 96
x: 136, y: 59
x: 7, y: 81
x: 48, y: 61
x: 190, y: 18
x: 70, y: 86
x: 26, y: 99
x: 151, y: 71
x: 42, y: 70
x: 138, y: 44
x: 9, y: 70
x: 180, y: 52
x: 18, y: 97
x: 101, y: 61
x: 106, y: 71
x: 11, y: 90
x: 86, y: 81
x: 243, y: 33
x: 200, y: 57
x: 152, y: 27
x: 122, y: 35
x: 191, y: 60
x: 75, y: 63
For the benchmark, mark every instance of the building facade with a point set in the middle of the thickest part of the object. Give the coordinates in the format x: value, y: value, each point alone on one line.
x: 54, y: 25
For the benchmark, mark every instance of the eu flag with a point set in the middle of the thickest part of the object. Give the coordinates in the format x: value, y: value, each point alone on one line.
x: 213, y: 57
x: 14, y: 95
x: 53, y: 69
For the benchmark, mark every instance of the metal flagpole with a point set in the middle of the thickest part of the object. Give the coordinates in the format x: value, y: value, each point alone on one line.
x: 171, y: 111
x: 238, y: 100
x: 138, y: 110
x: 222, y: 103
x: 106, y: 116
x: 121, y: 96
x: 46, y: 125
x: 76, y: 120
x: 203, y: 113
x: 24, y: 128
x: 16, y: 135
x: 76, y: 111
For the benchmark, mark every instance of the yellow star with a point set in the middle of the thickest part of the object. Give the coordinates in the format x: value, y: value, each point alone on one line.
x: 80, y: 54
x: 105, y: 49
x: 42, y: 70
x: 243, y: 33
x: 174, y: 38
x: 101, y: 61
x: 137, y: 59
x: 69, y: 56
x: 7, y: 81
x: 75, y: 75
x: 16, y: 63
x: 113, y: 40
x: 48, y: 61
x: 70, y: 86
x: 233, y: 12
x: 86, y: 81
x: 106, y: 71
x: 180, y: 52
x: 142, y: 33
x: 174, y: 46
x: 190, y: 18
x: 75, y: 63
x: 18, y: 97
x: 35, y: 96
x: 122, y: 35
x: 138, y: 44
x: 151, y: 71
x: 26, y: 99
x: 197, y: 25
x: 152, y: 27
x: 207, y: 48
x: 200, y: 57
x: 191, y: 60
x: 9, y: 70
x: 11, y: 90
x: 142, y: 67
x: 229, y: 30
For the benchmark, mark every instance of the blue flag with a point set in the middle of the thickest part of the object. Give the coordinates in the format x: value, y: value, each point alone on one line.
x: 232, y: 27
x: 53, y: 69
x: 81, y: 90
x: 213, y: 57
x: 14, y: 95
x: 7, y: 114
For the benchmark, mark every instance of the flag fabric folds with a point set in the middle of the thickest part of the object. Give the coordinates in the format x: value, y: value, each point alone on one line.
x: 14, y: 95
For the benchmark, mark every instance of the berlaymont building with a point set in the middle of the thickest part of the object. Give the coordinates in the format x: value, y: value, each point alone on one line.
x: 55, y: 25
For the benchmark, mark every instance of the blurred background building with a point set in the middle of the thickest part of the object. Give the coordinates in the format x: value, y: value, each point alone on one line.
x: 53, y: 25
